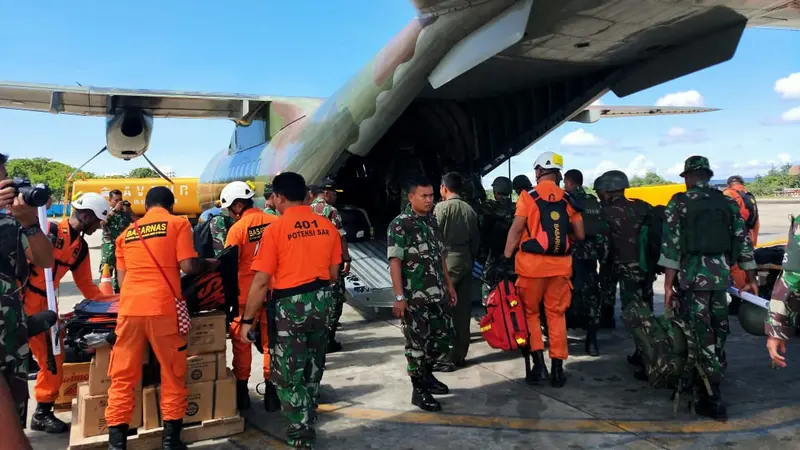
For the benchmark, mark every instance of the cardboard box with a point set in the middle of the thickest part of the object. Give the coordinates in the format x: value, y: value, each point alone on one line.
x: 208, y: 367
x: 74, y: 374
x: 207, y: 334
x: 92, y: 412
x: 99, y: 381
x: 205, y: 401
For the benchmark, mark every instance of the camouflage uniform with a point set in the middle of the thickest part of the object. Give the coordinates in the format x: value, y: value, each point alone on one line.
x: 219, y: 225
x: 297, y: 352
x: 703, y: 279
x: 632, y: 277
x: 271, y: 210
x: 113, y: 227
x: 14, y: 350
x: 321, y: 207
x: 495, y: 219
x: 427, y: 326
x: 585, y: 280
x: 781, y: 320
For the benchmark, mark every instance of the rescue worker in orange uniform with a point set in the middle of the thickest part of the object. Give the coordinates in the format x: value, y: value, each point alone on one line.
x: 71, y: 253
x: 748, y: 208
x: 151, y: 253
x: 246, y: 233
x: 544, y: 222
x: 298, y: 260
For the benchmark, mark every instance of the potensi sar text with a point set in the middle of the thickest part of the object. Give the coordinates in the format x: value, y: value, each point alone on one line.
x: 306, y: 229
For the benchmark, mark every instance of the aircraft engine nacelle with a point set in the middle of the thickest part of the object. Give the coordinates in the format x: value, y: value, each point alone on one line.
x: 128, y: 133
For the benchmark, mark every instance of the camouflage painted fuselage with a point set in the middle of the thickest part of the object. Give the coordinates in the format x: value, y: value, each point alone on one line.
x: 308, y: 136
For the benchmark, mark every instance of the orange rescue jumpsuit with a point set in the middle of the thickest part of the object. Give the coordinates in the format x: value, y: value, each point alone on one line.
x: 544, y: 277
x: 72, y: 256
x: 738, y: 275
x: 246, y: 233
x: 147, y: 313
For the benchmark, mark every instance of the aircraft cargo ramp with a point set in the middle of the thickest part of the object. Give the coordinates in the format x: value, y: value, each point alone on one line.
x: 365, y: 395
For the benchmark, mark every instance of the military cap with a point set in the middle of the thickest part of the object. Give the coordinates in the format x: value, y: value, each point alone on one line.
x: 735, y: 179
x: 328, y: 184
x: 521, y: 182
x: 615, y: 180
x: 267, y: 190
x: 695, y: 163
x: 502, y: 185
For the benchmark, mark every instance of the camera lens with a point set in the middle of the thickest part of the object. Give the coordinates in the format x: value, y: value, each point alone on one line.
x: 35, y: 196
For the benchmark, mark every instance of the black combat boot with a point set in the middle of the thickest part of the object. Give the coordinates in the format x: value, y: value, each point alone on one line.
x: 539, y: 371
x: 712, y: 405
x: 557, y: 378
x: 118, y: 437
x: 333, y: 345
x: 271, y: 401
x: 171, y: 439
x: 591, y: 341
x: 607, y: 317
x: 435, y: 386
x: 242, y: 395
x: 636, y: 359
x: 45, y: 420
x: 421, y: 397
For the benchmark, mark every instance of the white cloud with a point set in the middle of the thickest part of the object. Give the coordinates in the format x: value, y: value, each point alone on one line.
x: 784, y: 158
x: 581, y: 138
x: 639, y: 166
x: 789, y: 87
x: 792, y: 115
x: 597, y: 102
x: 687, y: 98
x: 678, y: 135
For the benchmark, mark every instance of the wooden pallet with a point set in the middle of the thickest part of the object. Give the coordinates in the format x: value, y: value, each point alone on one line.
x: 151, y: 439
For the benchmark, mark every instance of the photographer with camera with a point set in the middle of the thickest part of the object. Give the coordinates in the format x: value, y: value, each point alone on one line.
x: 21, y: 240
x: 119, y: 217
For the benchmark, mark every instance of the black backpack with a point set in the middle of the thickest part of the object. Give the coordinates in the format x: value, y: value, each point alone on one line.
x: 752, y: 207
x: 552, y: 235
x: 594, y: 221
x: 709, y: 225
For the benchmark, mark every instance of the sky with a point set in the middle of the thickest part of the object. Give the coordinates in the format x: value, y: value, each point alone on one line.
x: 310, y: 48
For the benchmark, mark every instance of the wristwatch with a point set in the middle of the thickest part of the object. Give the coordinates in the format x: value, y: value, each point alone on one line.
x: 399, y: 298
x: 31, y: 230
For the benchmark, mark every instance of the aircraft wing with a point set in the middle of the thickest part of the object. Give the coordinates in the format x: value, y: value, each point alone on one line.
x: 94, y: 101
x: 593, y: 113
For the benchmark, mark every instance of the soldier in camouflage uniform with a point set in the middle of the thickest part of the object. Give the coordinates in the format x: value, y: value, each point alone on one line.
x: 119, y: 217
x: 269, y: 203
x: 293, y: 254
x: 495, y: 219
x: 21, y: 240
x: 219, y: 225
x: 324, y: 199
x: 608, y: 280
x: 421, y: 286
x: 627, y: 219
x: 784, y: 304
x: 585, y: 254
x: 704, y: 235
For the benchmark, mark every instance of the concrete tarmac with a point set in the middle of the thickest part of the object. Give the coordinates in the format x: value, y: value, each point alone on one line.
x: 366, y: 394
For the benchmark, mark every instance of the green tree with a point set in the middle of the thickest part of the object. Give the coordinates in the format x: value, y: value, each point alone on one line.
x: 776, y: 179
x: 45, y: 170
x: 142, y: 172
x: 649, y: 179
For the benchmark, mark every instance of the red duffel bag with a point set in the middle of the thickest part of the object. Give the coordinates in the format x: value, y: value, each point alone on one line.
x: 504, y: 326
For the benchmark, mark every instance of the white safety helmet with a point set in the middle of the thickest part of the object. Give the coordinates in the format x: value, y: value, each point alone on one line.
x: 549, y: 160
x: 234, y: 191
x: 94, y: 202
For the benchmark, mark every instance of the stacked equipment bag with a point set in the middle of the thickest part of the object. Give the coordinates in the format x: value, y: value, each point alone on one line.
x: 504, y: 326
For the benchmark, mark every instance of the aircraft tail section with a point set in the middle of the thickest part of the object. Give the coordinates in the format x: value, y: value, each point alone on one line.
x: 439, y: 7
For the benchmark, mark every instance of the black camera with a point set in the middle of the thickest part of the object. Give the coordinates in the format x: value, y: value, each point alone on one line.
x: 35, y: 195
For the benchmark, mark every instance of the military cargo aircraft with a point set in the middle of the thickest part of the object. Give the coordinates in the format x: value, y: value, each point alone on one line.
x: 464, y: 86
